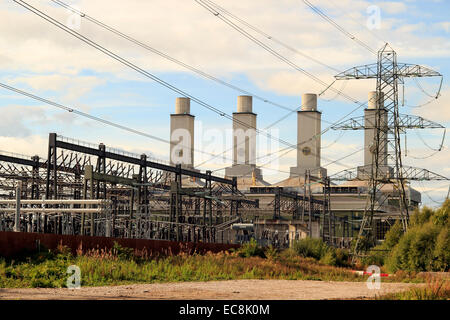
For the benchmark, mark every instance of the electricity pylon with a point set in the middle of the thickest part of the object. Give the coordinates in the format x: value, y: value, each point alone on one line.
x: 388, y: 124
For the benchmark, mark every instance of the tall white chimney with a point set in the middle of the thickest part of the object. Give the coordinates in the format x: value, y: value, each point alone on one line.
x: 244, y: 141
x: 369, y: 132
x: 375, y: 103
x: 308, y: 138
x: 182, y: 134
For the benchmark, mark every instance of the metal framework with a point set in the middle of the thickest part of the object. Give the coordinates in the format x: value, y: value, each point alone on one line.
x: 148, y: 198
x: 408, y: 173
x: 387, y: 166
x: 404, y: 122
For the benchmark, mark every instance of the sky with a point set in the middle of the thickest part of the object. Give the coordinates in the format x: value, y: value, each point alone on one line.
x: 39, y: 58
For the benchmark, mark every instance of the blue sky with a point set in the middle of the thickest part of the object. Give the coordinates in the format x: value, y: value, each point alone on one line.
x: 41, y: 59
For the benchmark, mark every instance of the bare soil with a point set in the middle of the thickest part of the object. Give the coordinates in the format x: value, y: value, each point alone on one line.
x: 214, y: 290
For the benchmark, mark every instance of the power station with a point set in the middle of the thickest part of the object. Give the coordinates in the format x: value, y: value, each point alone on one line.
x: 83, y: 188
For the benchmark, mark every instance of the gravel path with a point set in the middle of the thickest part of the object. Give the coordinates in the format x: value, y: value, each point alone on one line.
x: 216, y: 290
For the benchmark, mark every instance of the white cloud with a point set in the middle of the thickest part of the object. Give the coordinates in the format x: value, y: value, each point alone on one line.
x: 444, y: 26
x: 16, y: 118
x: 73, y: 87
x: 184, y: 30
x: 438, y: 109
x: 393, y: 7
x: 30, y: 146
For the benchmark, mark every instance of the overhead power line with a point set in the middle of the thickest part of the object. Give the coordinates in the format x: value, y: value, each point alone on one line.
x: 129, y: 64
x: 168, y: 57
x: 140, y: 70
x: 266, y: 47
x: 270, y: 37
x: 92, y: 117
x: 103, y: 121
x: 337, y: 26
x: 348, y: 14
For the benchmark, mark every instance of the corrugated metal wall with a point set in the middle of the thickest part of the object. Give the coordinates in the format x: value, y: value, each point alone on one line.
x: 13, y: 243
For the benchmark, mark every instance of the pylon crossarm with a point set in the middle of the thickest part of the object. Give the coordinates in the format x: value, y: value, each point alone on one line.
x: 420, y: 174
x: 368, y: 71
x: 409, y: 70
x: 405, y: 121
x: 408, y: 173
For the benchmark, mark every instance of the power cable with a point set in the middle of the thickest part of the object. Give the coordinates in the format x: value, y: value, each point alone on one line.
x: 337, y: 26
x: 138, y: 69
x: 129, y: 64
x: 95, y: 118
x: 429, y: 197
x: 130, y: 39
x: 269, y: 49
x: 424, y: 157
x: 344, y: 85
x: 270, y: 37
x: 341, y: 134
x: 426, y: 144
x: 346, y: 12
x: 168, y: 57
x: 426, y: 93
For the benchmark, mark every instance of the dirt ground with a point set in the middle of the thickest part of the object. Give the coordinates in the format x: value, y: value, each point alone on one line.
x: 214, y: 290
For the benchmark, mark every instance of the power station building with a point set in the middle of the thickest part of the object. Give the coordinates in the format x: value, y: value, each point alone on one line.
x: 347, y: 199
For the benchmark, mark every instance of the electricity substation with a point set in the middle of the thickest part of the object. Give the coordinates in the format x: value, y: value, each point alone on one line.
x: 97, y: 190
x: 92, y: 189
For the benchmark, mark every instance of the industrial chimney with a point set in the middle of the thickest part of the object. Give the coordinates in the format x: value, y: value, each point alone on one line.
x: 308, y: 138
x: 244, y: 141
x: 182, y: 134
x: 375, y: 103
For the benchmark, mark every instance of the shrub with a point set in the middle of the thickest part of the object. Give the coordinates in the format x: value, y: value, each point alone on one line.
x: 251, y: 249
x: 271, y: 252
x: 422, y: 245
x: 420, y: 217
x: 314, y: 248
x: 441, y: 216
x: 442, y: 251
x: 329, y: 258
x: 342, y: 257
x: 434, y: 290
x: 415, y: 250
x: 393, y: 235
x: 122, y: 253
x: 399, y: 257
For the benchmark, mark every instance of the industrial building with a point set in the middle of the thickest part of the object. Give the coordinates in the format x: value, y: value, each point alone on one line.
x: 93, y: 190
x: 346, y: 200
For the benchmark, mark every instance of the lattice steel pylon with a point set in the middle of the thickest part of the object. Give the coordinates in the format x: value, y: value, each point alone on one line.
x: 386, y: 147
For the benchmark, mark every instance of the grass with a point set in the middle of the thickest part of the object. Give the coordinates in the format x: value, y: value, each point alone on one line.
x: 123, y: 266
x: 434, y: 290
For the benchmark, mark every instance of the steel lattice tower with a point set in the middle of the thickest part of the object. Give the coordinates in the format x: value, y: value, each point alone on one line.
x: 386, y: 166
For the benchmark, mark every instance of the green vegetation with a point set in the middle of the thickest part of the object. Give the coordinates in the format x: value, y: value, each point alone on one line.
x: 251, y: 249
x: 122, y: 266
x: 424, y: 247
x: 317, y: 249
x: 434, y: 290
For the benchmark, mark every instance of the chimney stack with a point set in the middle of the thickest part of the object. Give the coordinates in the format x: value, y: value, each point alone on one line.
x: 182, y: 134
x: 375, y: 103
x: 244, y: 141
x: 308, y: 138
